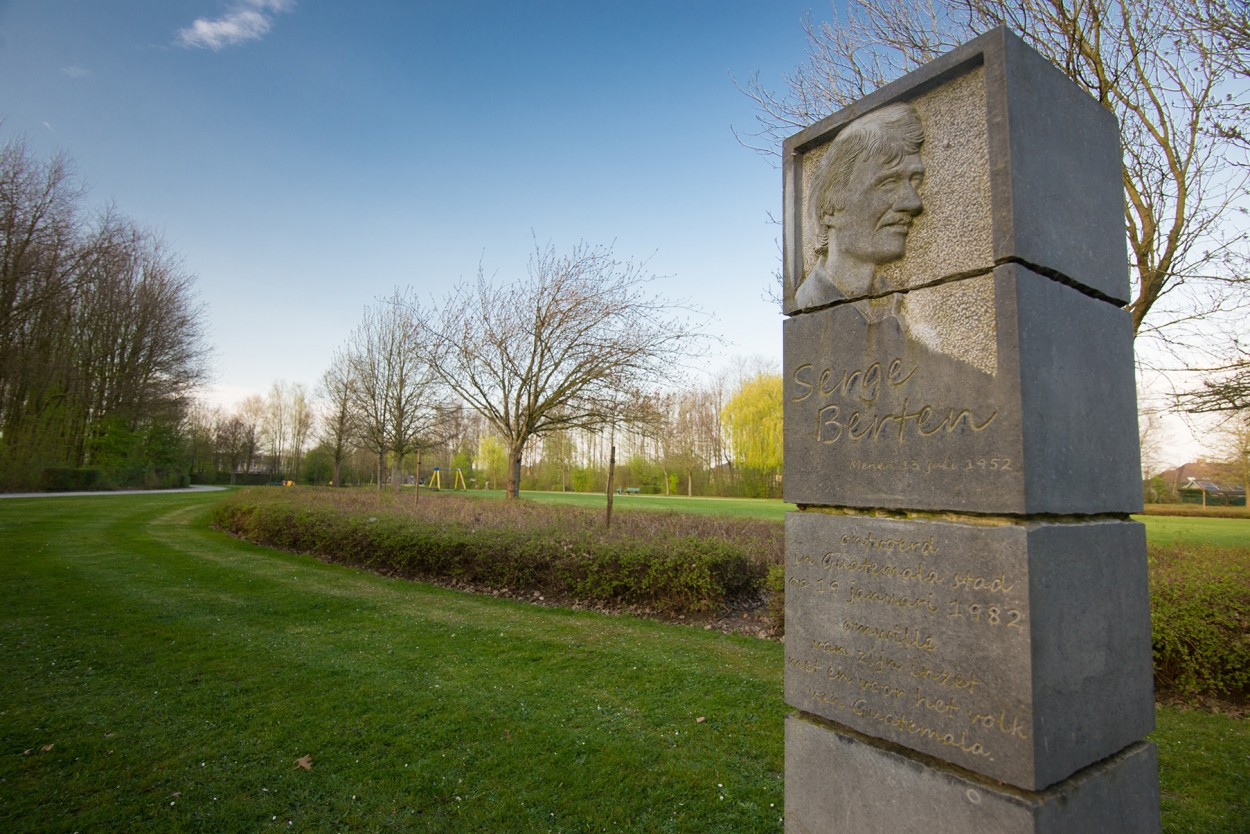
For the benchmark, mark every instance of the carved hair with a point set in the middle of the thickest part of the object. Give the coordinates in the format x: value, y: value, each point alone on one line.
x: 886, y: 136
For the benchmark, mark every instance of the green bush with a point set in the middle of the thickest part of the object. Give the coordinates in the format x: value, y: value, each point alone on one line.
x: 65, y: 479
x: 776, y: 586
x: 673, y: 562
x: 69, y: 479
x: 1200, y: 618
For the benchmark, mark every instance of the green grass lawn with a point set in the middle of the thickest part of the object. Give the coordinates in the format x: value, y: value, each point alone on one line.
x: 1164, y: 529
x: 768, y: 508
x: 1159, y: 529
x: 178, y: 674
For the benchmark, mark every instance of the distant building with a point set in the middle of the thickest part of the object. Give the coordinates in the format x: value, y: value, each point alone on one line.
x: 1205, y: 483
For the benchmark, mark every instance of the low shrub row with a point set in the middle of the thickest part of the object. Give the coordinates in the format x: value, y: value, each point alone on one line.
x: 1195, y: 511
x: 1200, y: 593
x: 67, y: 479
x: 1200, y: 618
x: 669, y: 561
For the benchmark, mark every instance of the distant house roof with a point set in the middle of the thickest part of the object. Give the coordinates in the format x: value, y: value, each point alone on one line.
x: 1213, y: 473
x: 1213, y: 487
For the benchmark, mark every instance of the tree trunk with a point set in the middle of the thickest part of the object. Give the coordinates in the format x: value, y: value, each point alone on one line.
x: 335, y: 480
x: 514, y: 471
x: 690, y: 485
x: 397, y: 472
x: 611, y: 478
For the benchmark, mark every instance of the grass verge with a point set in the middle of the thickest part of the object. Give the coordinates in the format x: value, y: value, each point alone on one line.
x: 1196, y: 511
x: 167, y: 663
x: 770, y: 509
x: 1165, y: 523
x: 178, y: 675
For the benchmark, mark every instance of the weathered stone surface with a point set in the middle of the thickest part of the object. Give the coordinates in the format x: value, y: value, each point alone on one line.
x: 1057, y: 173
x: 839, y: 782
x: 1006, y: 393
x: 1018, y: 165
x: 1019, y: 651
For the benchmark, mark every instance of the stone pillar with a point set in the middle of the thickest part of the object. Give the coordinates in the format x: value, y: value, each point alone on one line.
x: 967, y: 610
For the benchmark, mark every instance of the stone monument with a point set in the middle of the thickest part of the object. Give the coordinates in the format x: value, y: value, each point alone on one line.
x: 967, y: 609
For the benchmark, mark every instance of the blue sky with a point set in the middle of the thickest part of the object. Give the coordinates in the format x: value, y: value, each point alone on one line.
x: 336, y: 150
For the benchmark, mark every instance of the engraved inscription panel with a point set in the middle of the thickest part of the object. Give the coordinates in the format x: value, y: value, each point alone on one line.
x: 916, y: 632
x: 903, y: 402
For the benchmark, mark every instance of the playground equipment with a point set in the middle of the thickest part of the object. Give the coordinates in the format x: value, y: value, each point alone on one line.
x: 457, y: 481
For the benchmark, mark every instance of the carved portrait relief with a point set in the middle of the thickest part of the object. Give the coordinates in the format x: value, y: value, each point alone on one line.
x: 865, y: 198
x: 899, y: 201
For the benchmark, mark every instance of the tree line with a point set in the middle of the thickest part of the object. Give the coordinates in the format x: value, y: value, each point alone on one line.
x: 531, y: 384
x: 101, y: 337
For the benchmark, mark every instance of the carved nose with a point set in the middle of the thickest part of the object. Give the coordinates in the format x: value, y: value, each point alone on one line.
x: 909, y: 201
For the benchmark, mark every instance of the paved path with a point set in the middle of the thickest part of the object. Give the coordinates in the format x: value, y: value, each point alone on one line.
x: 197, y: 488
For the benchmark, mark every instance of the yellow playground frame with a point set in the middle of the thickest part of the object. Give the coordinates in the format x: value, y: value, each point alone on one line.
x: 436, y: 481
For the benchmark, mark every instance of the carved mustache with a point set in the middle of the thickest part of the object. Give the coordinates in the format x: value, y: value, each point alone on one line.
x: 905, y: 221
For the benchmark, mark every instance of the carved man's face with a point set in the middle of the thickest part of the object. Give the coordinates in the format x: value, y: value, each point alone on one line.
x: 880, y: 204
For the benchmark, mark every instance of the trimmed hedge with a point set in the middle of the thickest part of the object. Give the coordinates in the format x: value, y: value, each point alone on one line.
x: 1200, y: 618
x: 558, y: 551
x: 69, y: 479
x: 1195, y: 511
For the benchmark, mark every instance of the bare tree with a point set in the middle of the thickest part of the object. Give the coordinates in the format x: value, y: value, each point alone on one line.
x: 367, y: 350
x: 557, y: 350
x: 275, y: 428
x: 1152, y: 435
x: 1170, y: 70
x: 1232, y: 443
x: 339, y: 423
x: 685, y: 436
x: 394, y: 396
x: 39, y: 250
x: 251, y: 412
x: 200, y: 431
x: 233, y: 441
x: 302, y: 418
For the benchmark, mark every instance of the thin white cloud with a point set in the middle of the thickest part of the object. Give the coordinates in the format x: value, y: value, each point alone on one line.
x: 248, y: 20
x: 76, y: 72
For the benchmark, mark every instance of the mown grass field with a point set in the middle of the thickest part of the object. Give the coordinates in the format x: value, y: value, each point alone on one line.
x: 1159, y: 529
x: 178, y: 674
x: 1227, y: 532
x: 767, y: 508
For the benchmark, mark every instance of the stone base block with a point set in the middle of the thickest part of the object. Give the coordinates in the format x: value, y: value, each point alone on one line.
x: 841, y: 782
x: 1018, y: 651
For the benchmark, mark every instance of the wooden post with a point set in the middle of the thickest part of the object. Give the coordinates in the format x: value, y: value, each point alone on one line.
x: 416, y: 482
x: 611, y: 477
